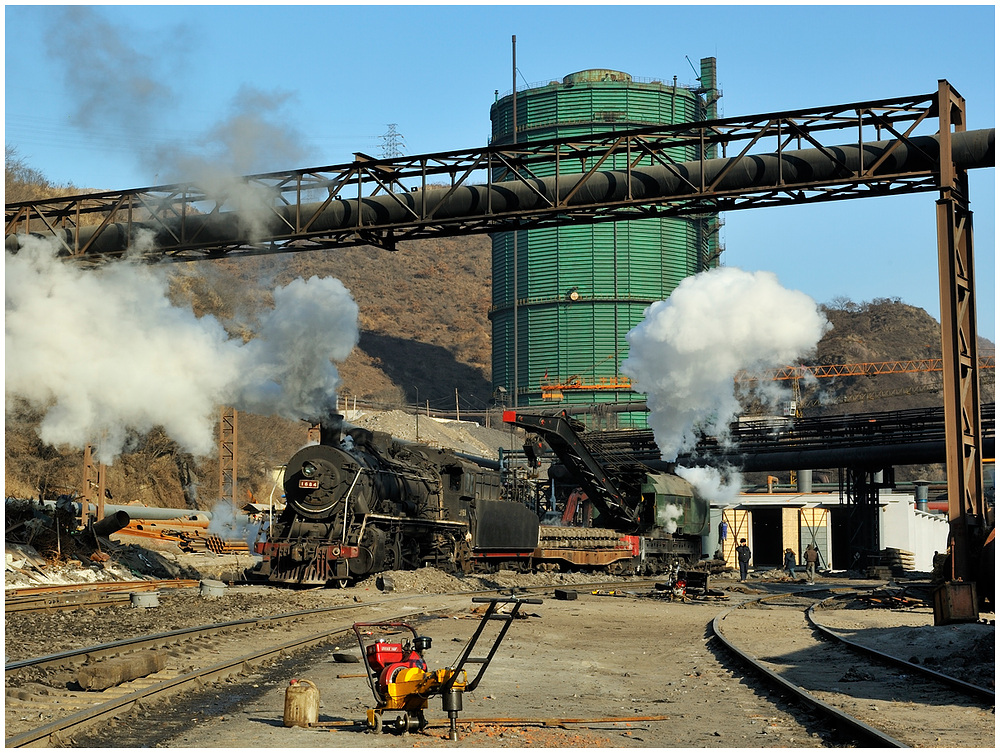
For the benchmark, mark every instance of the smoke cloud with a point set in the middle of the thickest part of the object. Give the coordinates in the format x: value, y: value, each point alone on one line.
x: 669, y: 516
x: 115, y: 82
x: 112, y: 84
x: 103, y: 352
x: 687, y: 350
x: 230, y: 524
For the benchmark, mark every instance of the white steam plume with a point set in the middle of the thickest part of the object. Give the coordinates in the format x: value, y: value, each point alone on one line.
x: 289, y: 368
x: 687, y: 350
x: 713, y: 484
x: 669, y: 516
x: 102, y: 352
x: 230, y: 524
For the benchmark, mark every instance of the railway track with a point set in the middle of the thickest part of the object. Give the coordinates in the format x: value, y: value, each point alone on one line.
x: 46, y: 714
x: 881, y: 700
x: 46, y: 707
x: 46, y: 703
x: 83, y: 595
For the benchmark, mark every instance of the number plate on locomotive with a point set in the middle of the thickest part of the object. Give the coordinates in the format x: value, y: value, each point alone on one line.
x: 306, y: 484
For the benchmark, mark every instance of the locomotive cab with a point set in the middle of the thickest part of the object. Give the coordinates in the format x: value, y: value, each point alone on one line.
x: 673, y: 505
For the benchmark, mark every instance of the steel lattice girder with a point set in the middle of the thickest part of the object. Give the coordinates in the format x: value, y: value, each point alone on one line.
x: 369, y: 202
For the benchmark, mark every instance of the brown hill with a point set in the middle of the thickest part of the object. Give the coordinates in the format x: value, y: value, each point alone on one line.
x: 880, y: 331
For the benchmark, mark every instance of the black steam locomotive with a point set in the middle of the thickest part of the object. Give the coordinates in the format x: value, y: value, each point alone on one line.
x: 361, y: 502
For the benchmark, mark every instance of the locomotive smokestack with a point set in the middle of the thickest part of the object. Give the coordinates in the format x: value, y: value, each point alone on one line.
x: 331, y: 429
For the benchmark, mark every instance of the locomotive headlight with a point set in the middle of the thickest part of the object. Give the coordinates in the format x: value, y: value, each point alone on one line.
x: 308, y: 470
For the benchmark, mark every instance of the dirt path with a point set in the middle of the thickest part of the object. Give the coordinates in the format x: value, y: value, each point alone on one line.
x: 593, y: 658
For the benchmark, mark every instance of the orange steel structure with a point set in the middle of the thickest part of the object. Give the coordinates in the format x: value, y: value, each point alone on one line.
x: 781, y: 373
x: 854, y: 369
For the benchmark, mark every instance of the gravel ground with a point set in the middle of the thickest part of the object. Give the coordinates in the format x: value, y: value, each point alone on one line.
x: 595, y: 657
x: 38, y: 633
x: 966, y: 651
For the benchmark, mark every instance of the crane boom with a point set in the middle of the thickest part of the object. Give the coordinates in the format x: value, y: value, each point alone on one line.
x: 560, y: 432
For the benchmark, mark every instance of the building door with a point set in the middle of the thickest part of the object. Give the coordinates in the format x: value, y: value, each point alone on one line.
x: 814, y: 523
x: 767, y: 551
x: 840, y: 538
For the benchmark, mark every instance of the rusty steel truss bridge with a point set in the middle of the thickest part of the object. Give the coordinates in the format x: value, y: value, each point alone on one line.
x: 849, y: 151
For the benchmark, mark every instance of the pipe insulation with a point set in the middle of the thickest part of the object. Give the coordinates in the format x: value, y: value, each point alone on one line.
x: 643, y: 184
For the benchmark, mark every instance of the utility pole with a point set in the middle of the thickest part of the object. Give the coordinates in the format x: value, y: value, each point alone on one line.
x: 93, y: 487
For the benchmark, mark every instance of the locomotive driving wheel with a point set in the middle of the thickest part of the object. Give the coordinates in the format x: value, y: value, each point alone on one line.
x: 410, y: 555
x: 394, y: 554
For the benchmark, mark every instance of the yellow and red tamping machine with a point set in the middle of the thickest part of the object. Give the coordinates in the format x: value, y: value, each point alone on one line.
x: 400, y: 680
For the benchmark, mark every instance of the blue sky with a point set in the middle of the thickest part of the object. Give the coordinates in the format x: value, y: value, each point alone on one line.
x: 334, y: 76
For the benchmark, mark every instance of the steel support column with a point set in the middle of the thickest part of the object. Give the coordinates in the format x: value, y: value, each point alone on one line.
x: 863, y: 508
x: 227, y: 455
x: 956, y: 269
x: 93, y: 488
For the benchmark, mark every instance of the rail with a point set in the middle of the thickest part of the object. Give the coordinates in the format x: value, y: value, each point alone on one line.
x: 874, y: 731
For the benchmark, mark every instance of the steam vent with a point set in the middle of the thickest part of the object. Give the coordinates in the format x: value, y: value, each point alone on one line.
x: 579, y: 290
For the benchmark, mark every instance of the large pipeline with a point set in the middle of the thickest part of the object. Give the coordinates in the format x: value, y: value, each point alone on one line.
x: 141, y: 512
x: 970, y: 149
x: 112, y: 523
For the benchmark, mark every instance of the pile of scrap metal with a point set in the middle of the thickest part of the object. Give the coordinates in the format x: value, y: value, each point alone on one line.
x: 52, y: 527
x: 187, y: 535
x: 23, y: 558
x: 44, y: 527
x: 890, y: 598
x: 39, y: 533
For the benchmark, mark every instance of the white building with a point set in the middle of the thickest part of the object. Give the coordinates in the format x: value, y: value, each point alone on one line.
x: 772, y: 522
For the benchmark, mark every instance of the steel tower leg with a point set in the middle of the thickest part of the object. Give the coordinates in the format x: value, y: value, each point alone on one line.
x: 227, y: 455
x: 959, y: 349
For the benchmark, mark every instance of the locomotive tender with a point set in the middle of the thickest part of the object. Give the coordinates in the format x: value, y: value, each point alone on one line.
x: 361, y: 502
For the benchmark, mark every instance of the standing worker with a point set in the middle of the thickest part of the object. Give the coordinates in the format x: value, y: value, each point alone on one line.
x: 743, y: 556
x: 790, y: 563
x: 811, y: 556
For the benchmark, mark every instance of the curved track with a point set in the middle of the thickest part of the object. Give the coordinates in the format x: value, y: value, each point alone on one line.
x: 857, y: 687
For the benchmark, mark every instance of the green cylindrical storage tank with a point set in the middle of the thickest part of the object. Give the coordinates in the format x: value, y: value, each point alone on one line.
x: 565, y: 298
